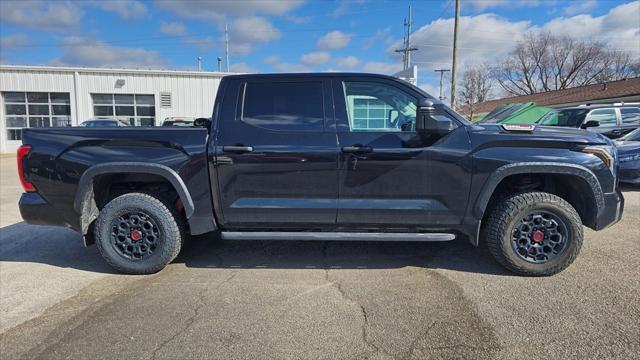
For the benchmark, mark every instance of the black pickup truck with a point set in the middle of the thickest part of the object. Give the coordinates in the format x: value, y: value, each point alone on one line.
x: 323, y: 157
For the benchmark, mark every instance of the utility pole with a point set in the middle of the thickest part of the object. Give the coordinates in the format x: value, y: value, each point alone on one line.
x: 441, y: 71
x: 455, y: 55
x: 407, y: 49
x: 226, y: 43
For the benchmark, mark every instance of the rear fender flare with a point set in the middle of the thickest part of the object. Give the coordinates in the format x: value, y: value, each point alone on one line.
x: 84, y: 203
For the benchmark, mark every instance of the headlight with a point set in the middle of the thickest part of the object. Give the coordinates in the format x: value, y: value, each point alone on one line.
x: 608, y: 155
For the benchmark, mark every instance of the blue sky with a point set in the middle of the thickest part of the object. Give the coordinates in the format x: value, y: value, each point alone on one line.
x: 295, y: 35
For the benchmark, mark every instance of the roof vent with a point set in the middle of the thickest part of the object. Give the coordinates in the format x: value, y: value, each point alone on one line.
x: 165, y: 100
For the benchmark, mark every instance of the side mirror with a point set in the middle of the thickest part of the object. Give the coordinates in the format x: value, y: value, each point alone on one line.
x: 590, y: 123
x: 202, y: 122
x: 427, y: 120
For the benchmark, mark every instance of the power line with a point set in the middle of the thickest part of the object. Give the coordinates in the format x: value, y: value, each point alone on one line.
x: 407, y: 49
x: 455, y: 55
x: 441, y: 71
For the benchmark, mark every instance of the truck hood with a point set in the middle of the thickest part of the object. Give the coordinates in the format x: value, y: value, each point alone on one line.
x: 547, y: 136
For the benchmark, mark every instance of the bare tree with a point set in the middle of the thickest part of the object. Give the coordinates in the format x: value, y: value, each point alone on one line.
x: 476, y: 87
x: 544, y: 62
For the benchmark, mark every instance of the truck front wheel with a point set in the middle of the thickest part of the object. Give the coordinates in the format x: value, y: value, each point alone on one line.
x: 137, y: 233
x: 534, y: 233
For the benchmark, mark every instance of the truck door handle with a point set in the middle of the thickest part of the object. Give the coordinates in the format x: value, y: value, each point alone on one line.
x: 357, y: 149
x: 237, y: 149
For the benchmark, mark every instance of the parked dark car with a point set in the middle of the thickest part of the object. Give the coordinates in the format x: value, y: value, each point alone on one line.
x: 99, y: 122
x: 629, y: 155
x: 612, y: 121
x: 178, y: 121
x: 324, y: 157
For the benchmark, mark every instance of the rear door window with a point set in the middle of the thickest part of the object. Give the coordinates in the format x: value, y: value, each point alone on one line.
x: 606, y: 117
x: 630, y: 116
x: 284, y: 106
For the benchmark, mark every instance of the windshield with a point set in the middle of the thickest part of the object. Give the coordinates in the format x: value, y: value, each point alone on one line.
x: 178, y: 123
x: 99, y: 123
x: 566, y: 117
x: 502, y: 112
x: 632, y: 136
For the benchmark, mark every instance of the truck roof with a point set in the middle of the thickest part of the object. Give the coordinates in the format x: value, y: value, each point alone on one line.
x: 308, y: 75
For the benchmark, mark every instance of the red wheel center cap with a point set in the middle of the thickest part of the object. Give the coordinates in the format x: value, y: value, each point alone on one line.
x: 537, y: 236
x: 136, y: 235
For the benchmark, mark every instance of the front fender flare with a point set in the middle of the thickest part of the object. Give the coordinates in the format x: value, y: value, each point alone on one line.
x: 536, y: 168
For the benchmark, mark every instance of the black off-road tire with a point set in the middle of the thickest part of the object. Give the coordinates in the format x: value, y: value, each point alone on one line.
x: 499, y: 227
x: 168, y: 242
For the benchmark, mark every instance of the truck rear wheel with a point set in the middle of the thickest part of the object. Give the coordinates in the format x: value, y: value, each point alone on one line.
x: 534, y: 233
x: 137, y: 233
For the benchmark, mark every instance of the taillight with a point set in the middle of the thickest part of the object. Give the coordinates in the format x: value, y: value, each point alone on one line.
x: 23, y: 151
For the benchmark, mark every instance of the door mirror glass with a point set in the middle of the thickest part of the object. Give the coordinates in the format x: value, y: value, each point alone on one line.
x: 430, y: 119
x: 591, y: 123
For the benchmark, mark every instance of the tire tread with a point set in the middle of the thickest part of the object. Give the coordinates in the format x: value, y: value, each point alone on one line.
x: 501, y: 214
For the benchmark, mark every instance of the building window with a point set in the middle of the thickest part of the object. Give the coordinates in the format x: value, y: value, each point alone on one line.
x: 35, y: 109
x: 135, y: 110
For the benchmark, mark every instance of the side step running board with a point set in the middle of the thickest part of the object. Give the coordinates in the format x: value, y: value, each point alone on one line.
x: 339, y: 236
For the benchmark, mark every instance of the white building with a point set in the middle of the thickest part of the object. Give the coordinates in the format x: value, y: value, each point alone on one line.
x: 43, y: 96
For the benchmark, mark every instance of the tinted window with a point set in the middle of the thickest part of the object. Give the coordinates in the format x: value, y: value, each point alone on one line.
x: 568, y: 117
x: 606, y: 117
x: 632, y: 136
x: 99, y: 123
x: 630, y: 116
x: 284, y: 106
x: 379, y: 107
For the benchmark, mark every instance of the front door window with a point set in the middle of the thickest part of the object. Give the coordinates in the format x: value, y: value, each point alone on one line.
x: 379, y: 107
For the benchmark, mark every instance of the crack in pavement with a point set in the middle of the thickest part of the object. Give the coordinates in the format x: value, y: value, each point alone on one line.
x: 414, y: 343
x: 365, y: 324
x: 191, y: 320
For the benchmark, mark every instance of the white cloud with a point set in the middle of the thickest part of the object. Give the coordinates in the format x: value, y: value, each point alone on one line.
x: 381, y: 36
x: 298, y: 20
x: 202, y: 43
x: 126, y: 9
x: 485, y: 38
x: 581, y: 6
x: 173, y: 29
x: 487, y: 4
x: 288, y: 67
x: 240, y: 49
x: 380, y: 67
x: 618, y: 28
x: 344, y: 6
x: 13, y: 40
x: 348, y: 62
x: 245, y: 33
x: 242, y: 68
x: 334, y: 40
x: 434, y: 90
x: 482, y: 37
x: 217, y: 10
x: 79, y: 51
x: 272, y: 59
x: 315, y: 58
x: 253, y: 29
x: 41, y: 15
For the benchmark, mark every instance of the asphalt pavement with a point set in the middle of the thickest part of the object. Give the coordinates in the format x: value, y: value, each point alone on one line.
x: 313, y: 300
